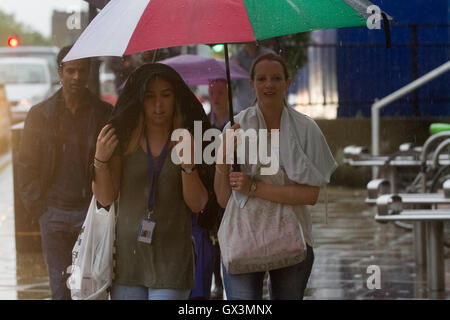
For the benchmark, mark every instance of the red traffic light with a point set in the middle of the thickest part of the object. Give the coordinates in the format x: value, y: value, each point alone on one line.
x: 13, y: 42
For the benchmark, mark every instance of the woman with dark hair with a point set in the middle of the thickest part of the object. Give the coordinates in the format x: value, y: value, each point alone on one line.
x: 154, y: 250
x: 305, y: 164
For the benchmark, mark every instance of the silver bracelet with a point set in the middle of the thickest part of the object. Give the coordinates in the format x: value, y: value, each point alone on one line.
x: 100, y: 167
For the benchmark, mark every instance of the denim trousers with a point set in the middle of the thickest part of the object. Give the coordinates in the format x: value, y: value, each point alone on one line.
x: 287, y: 283
x: 121, y: 292
x: 59, y: 232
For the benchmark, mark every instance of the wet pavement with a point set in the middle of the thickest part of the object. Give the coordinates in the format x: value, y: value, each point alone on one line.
x: 345, y: 247
x: 352, y: 241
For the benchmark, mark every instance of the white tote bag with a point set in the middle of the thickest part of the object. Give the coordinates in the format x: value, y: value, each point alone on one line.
x: 92, y: 256
x: 262, y: 236
x: 259, y: 235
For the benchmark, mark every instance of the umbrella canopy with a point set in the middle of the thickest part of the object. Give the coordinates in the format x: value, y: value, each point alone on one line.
x: 196, y: 70
x: 122, y: 29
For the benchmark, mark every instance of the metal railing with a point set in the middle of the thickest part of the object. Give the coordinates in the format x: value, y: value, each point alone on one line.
x: 378, y: 105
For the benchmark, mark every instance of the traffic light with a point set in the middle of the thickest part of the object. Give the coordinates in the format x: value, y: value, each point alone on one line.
x: 13, y: 42
x: 218, y: 48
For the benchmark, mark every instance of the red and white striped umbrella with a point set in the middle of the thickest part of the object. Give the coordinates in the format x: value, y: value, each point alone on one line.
x: 126, y: 27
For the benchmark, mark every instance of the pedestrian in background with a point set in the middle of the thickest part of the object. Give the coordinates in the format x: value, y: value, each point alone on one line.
x: 122, y: 68
x: 205, y: 234
x: 218, y: 99
x: 153, y: 193
x: 270, y: 80
x: 219, y: 117
x: 54, y: 172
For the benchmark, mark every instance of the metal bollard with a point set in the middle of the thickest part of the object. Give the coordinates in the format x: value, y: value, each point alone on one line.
x: 436, y: 262
x: 355, y: 152
x: 389, y: 204
x: 377, y: 187
x: 446, y: 186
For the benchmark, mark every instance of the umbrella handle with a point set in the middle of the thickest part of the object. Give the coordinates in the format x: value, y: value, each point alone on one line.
x: 235, y: 167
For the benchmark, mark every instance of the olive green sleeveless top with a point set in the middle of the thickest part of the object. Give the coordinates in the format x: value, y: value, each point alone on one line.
x: 166, y: 263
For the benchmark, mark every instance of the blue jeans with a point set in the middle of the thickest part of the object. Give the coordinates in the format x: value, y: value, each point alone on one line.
x: 284, y: 284
x: 59, y: 232
x: 120, y: 292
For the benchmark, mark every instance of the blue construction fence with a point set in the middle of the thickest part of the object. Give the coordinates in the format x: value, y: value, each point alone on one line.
x: 352, y: 67
x: 369, y: 71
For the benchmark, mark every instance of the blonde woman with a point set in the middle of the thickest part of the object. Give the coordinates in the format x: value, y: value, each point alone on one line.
x: 305, y: 164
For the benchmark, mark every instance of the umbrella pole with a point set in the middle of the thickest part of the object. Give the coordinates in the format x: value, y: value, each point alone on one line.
x: 235, y: 167
x: 230, y: 93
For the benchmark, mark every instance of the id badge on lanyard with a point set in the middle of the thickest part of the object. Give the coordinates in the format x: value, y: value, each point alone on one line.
x: 147, y: 226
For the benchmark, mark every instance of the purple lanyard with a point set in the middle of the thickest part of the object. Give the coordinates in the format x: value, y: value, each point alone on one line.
x: 153, y: 176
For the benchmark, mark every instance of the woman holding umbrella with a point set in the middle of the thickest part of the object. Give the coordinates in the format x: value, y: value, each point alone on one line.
x: 306, y: 164
x: 154, y: 250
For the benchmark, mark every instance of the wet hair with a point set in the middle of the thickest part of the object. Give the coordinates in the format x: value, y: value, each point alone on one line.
x: 128, y: 115
x: 270, y: 57
x: 138, y: 131
x: 63, y: 52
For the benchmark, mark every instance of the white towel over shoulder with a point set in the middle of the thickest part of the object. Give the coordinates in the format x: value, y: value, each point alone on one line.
x: 303, y: 151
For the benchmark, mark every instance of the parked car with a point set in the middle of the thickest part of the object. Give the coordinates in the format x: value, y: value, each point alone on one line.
x: 27, y: 82
x: 48, y: 53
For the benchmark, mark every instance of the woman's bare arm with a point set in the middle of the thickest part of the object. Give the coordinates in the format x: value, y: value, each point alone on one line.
x: 295, y: 194
x: 292, y: 194
x: 106, y: 183
x: 194, y: 192
x: 222, y: 184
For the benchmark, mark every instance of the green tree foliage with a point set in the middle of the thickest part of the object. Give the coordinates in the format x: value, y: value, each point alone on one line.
x: 27, y: 36
x: 294, y: 50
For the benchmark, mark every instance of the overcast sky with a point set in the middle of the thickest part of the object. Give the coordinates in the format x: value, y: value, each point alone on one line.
x: 38, y: 13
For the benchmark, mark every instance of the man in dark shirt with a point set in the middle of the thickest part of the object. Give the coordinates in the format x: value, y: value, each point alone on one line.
x: 68, y: 190
x: 54, y: 172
